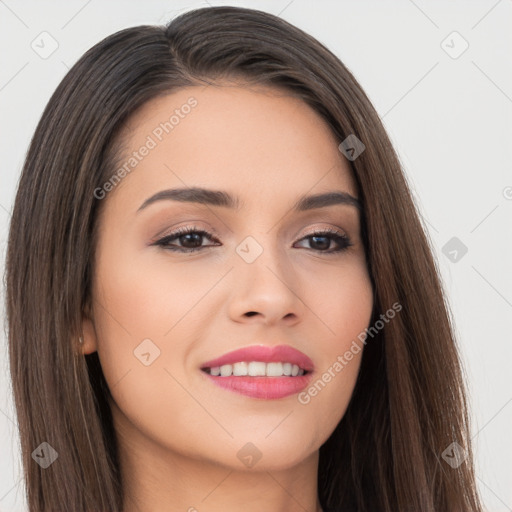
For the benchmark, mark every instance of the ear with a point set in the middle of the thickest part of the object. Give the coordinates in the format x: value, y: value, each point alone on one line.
x: 89, y: 336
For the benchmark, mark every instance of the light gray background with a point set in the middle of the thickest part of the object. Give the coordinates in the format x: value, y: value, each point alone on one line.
x: 449, y: 118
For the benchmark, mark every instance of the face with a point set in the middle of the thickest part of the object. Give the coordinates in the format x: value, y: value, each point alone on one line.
x: 258, y: 272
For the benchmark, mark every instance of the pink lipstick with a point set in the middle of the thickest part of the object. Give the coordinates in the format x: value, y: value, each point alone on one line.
x: 261, y: 371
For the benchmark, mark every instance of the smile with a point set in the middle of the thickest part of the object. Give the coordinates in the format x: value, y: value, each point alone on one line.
x: 256, y: 369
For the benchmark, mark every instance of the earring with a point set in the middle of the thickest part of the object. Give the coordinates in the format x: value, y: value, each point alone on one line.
x: 80, y: 340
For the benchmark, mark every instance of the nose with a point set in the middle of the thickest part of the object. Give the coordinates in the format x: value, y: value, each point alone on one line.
x: 266, y: 291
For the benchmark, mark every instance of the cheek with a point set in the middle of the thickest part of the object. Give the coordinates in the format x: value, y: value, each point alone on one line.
x: 344, y: 305
x: 146, y: 316
x: 348, y: 308
x: 140, y: 346
x: 342, y: 300
x: 142, y: 296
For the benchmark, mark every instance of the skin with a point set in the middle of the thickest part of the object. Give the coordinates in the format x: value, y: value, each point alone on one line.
x: 179, y: 434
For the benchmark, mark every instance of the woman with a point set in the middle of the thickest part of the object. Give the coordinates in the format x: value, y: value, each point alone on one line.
x: 219, y: 292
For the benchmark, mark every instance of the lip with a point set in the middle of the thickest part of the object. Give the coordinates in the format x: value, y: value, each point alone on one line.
x: 265, y: 388
x: 265, y: 354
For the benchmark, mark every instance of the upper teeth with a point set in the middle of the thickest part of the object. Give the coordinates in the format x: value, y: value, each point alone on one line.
x: 256, y: 369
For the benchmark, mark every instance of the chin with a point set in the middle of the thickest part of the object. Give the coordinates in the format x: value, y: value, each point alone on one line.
x: 270, y: 454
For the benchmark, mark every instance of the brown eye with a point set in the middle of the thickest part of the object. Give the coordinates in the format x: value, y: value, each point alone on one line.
x: 189, y: 238
x: 321, y: 241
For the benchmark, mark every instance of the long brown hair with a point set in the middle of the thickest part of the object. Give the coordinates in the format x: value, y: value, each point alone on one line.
x: 409, y: 402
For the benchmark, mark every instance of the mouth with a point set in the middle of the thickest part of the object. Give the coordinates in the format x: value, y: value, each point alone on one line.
x: 261, y: 372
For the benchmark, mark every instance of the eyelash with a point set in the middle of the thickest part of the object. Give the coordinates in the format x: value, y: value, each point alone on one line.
x: 341, y: 238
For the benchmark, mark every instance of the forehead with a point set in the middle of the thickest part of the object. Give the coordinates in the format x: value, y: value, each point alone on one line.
x: 259, y: 142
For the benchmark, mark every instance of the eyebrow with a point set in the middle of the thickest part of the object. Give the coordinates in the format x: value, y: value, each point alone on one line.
x: 224, y: 199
